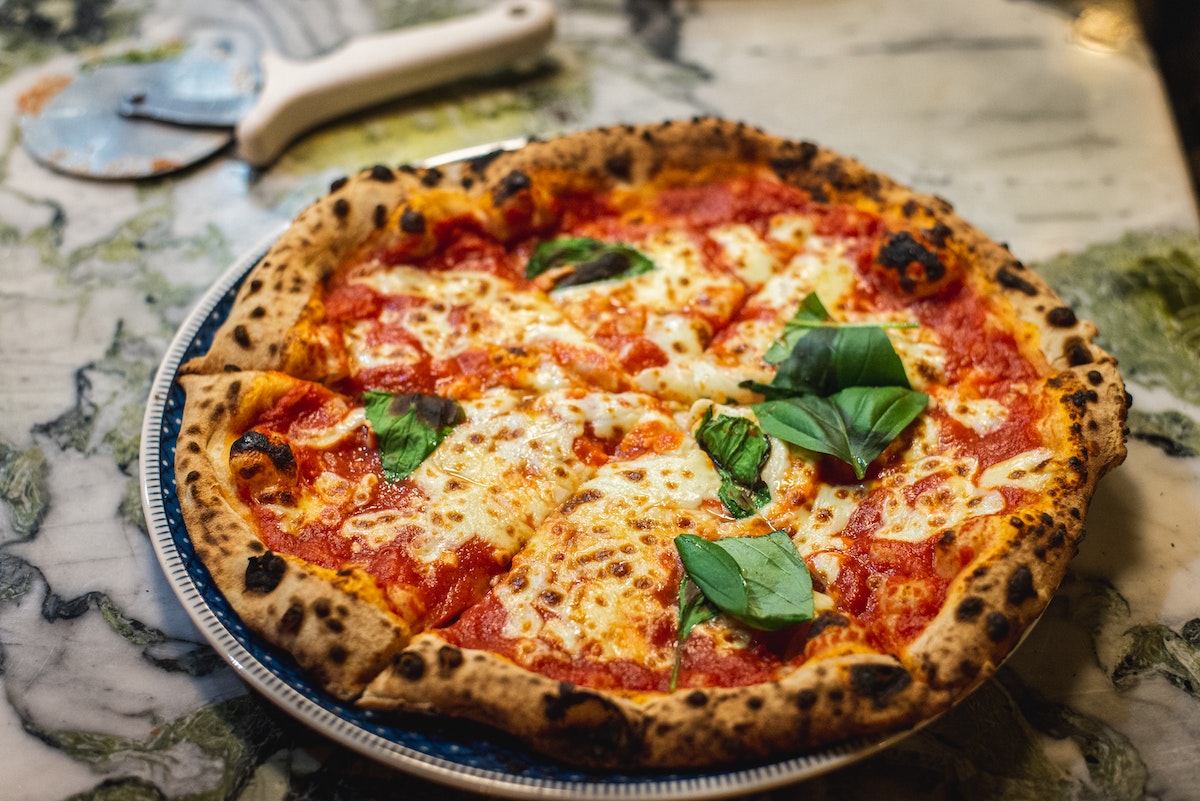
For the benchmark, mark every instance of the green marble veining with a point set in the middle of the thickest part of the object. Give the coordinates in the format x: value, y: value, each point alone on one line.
x: 24, y: 488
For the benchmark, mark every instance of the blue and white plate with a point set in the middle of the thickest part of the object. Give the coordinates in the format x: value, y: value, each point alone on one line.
x: 452, y: 753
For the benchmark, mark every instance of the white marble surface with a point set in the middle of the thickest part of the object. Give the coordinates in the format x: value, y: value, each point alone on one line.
x: 1044, y: 144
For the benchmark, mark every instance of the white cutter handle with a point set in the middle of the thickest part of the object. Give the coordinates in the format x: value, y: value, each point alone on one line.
x: 299, y: 95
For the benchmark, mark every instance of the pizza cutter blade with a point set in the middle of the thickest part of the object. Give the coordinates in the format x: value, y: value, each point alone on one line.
x: 140, y: 120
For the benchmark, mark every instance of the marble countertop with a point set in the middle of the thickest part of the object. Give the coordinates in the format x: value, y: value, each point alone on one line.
x: 1044, y: 123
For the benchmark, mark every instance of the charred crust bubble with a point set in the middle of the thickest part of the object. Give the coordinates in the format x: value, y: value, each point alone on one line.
x: 901, y: 251
x: 449, y: 659
x: 589, y: 724
x: 1020, y: 586
x: 432, y: 177
x: 513, y: 183
x: 409, y: 665
x: 341, y: 208
x: 412, y: 221
x: 696, y: 698
x: 280, y: 453
x: 480, y: 163
x: 242, y: 337
x: 1077, y: 352
x: 968, y: 609
x: 383, y: 173
x: 338, y: 183
x: 1010, y: 280
x: 879, y: 682
x: 263, y: 573
x: 1061, y: 317
x: 292, y: 619
x: 619, y: 166
x: 938, y: 235
x: 799, y: 161
x: 997, y: 627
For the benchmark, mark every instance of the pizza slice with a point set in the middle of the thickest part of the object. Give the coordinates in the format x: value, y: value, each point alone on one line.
x: 403, y: 508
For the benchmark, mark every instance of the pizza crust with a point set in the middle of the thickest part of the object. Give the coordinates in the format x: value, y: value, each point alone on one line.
x: 323, y: 618
x: 1018, y: 564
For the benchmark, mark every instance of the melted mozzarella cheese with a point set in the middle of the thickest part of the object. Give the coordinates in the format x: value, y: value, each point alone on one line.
x: 460, y: 311
x: 499, y: 473
x: 598, y: 578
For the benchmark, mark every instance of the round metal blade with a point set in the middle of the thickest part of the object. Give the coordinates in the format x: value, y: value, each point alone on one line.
x: 72, y: 125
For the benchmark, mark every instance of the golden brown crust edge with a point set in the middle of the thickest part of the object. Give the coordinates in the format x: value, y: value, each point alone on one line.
x: 819, y: 704
x: 311, y: 613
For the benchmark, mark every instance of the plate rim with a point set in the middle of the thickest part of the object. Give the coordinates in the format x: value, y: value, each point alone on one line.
x: 711, y: 784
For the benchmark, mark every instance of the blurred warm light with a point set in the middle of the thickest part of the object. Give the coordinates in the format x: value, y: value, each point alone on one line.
x: 1103, y: 29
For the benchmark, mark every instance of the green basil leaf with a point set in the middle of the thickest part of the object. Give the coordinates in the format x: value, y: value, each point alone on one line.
x: 854, y: 425
x: 759, y: 581
x: 812, y: 312
x: 819, y: 356
x: 589, y: 260
x: 694, y: 609
x: 738, y: 449
x: 409, y: 428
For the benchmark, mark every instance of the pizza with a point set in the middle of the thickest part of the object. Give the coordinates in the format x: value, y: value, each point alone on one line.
x: 661, y: 446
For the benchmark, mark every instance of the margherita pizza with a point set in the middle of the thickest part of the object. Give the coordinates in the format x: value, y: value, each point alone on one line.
x: 662, y: 446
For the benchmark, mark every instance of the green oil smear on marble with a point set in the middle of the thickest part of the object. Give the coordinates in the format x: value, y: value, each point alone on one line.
x: 24, y: 488
x: 1143, y: 293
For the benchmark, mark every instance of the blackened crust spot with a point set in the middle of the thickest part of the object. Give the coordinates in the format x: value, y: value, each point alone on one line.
x: 1020, y: 586
x: 242, y: 337
x: 338, y: 183
x: 997, y: 627
x: 1077, y: 352
x: 412, y: 222
x: 589, y: 724
x: 341, y: 208
x: 968, y: 609
x: 450, y: 659
x: 263, y: 573
x: 513, y: 183
x: 901, y: 251
x: 382, y: 172
x: 879, y: 682
x: 1011, y: 280
x: 381, y: 215
x: 1061, y: 317
x: 696, y: 698
x: 619, y: 166
x: 409, y: 666
x: 432, y: 177
x: 800, y: 161
x: 337, y: 655
x: 280, y: 453
x: 292, y: 619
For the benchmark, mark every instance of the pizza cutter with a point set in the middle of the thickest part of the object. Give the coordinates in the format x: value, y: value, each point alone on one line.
x: 137, y: 120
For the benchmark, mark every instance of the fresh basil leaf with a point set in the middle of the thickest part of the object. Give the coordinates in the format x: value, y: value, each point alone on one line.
x: 759, y: 581
x: 819, y: 356
x: 854, y: 425
x: 738, y: 449
x: 812, y: 312
x: 589, y: 260
x: 409, y: 428
x: 694, y: 609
